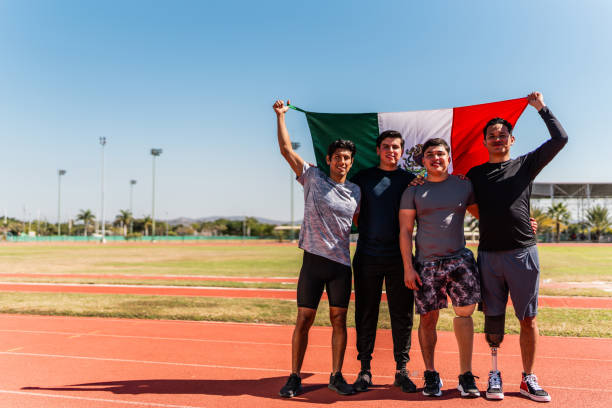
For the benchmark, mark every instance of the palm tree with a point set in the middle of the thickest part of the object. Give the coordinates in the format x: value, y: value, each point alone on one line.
x: 598, y: 219
x: 147, y: 221
x: 544, y: 222
x: 559, y: 215
x: 124, y: 218
x: 87, y: 217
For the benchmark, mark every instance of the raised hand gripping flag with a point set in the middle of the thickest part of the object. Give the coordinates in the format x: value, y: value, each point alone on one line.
x: 460, y: 127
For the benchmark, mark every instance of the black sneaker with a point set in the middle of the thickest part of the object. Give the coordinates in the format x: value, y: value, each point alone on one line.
x: 402, y: 380
x: 495, y: 390
x: 531, y: 389
x: 467, y: 385
x: 338, y: 383
x: 293, y: 387
x: 433, y: 384
x: 363, y: 381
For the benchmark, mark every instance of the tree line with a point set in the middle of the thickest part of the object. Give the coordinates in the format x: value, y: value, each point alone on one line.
x: 125, y: 224
x: 555, y: 222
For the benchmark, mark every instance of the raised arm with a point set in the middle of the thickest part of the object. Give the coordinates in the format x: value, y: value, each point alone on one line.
x: 284, y: 142
x: 558, y: 137
x: 406, y: 220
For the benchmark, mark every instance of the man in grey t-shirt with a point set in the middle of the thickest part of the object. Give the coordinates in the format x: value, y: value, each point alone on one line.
x: 443, y: 265
x: 331, y: 203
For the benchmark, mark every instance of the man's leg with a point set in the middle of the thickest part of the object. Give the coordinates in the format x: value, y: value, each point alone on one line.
x: 309, y: 291
x: 339, y: 295
x: 463, y: 326
x: 463, y: 287
x: 299, y: 342
x: 400, y: 300
x: 494, y: 298
x: 368, y: 290
x: 337, y: 317
x: 529, y: 342
x: 523, y: 277
x: 428, y: 338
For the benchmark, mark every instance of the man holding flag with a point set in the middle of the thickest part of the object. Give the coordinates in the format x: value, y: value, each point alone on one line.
x: 507, y: 252
x: 331, y: 203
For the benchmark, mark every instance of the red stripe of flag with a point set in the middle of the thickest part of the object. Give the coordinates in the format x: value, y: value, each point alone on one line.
x: 466, y: 135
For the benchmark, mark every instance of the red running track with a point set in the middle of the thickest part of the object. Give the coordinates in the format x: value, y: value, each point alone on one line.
x: 287, y: 294
x: 152, y: 277
x: 98, y: 363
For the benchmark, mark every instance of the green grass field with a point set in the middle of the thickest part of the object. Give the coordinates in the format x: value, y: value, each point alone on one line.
x: 552, y: 322
x: 559, y: 264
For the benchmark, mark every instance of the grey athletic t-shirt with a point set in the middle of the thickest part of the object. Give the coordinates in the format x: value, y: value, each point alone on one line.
x: 328, y: 214
x: 440, y: 210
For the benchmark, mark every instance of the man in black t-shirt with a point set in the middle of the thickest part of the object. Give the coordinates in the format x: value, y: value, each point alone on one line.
x: 378, y: 258
x: 507, y: 253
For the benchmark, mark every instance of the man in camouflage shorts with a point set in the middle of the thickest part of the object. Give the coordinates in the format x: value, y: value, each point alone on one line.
x: 443, y: 265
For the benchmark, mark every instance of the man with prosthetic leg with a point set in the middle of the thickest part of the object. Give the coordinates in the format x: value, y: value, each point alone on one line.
x: 507, y: 252
x: 494, y: 334
x: 330, y: 204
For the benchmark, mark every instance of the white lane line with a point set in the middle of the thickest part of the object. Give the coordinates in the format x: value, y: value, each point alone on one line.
x: 276, y: 370
x: 256, y: 343
x: 102, y: 285
x: 97, y: 275
x: 222, y: 323
x: 122, y: 402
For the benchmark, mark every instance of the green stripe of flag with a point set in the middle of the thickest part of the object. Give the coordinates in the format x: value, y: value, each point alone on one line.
x: 361, y: 128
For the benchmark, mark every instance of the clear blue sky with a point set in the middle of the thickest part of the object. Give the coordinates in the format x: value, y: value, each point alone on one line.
x: 198, y: 78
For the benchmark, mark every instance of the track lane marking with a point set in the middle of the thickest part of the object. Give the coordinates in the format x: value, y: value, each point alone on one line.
x: 326, y: 373
x: 146, y: 404
x: 96, y: 333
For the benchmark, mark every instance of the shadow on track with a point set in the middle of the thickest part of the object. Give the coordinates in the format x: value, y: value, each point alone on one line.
x: 263, y: 387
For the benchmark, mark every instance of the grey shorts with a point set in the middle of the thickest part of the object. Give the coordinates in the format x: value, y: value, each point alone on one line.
x: 516, y: 271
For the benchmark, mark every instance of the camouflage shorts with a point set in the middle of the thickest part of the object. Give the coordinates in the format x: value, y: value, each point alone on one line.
x: 455, y: 277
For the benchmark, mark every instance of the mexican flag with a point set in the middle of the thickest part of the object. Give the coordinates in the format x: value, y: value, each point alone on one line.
x: 460, y: 127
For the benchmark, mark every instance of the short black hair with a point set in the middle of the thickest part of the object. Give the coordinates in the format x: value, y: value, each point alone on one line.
x: 341, y: 144
x: 436, y: 141
x: 393, y: 134
x: 497, y: 121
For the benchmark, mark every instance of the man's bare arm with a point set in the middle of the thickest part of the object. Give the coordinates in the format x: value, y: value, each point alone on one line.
x: 406, y: 220
x: 284, y: 141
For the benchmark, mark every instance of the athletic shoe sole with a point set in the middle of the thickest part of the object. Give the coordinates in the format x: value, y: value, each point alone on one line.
x: 495, y: 395
x: 535, y: 397
x: 291, y: 394
x: 468, y: 394
x: 438, y: 394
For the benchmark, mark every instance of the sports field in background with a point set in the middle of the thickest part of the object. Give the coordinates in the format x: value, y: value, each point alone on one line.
x: 566, y: 270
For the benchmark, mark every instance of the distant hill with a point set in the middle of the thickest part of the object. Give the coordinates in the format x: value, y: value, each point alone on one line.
x: 188, y: 221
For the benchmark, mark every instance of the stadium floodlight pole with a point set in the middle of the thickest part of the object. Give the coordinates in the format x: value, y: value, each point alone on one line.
x: 60, y: 173
x: 102, y: 143
x: 154, y: 153
x: 295, y: 146
x: 132, y: 182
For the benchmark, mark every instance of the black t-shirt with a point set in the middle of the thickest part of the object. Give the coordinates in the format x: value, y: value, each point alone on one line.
x: 503, y: 191
x: 378, y: 223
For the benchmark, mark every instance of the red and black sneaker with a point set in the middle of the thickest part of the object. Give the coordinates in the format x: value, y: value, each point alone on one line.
x: 530, y: 388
